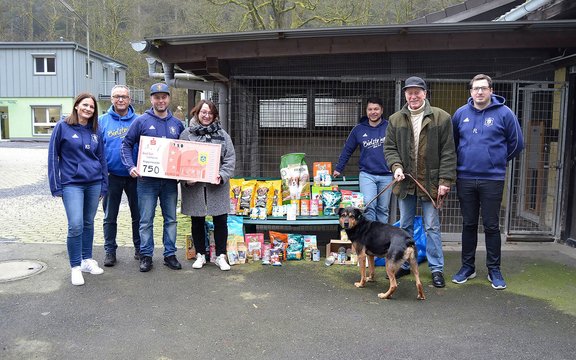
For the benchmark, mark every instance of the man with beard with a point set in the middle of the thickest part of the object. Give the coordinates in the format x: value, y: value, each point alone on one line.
x: 157, y: 121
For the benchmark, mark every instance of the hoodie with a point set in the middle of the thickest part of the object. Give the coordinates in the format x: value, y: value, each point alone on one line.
x: 486, y: 139
x: 148, y: 124
x: 113, y: 128
x: 370, y: 139
x: 75, y: 157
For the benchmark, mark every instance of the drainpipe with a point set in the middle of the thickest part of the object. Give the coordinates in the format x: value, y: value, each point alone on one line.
x: 184, y: 81
x: 523, y: 10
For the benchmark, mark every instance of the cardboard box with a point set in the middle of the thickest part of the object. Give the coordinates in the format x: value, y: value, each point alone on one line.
x: 334, y: 245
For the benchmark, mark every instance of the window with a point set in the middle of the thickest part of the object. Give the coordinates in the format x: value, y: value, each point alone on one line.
x: 89, y: 68
x: 337, y: 112
x: 44, y: 65
x: 45, y: 118
x: 283, y: 113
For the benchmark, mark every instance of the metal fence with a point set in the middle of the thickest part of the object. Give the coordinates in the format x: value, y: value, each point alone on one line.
x: 274, y: 115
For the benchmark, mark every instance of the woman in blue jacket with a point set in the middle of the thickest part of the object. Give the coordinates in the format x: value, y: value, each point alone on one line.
x: 78, y: 173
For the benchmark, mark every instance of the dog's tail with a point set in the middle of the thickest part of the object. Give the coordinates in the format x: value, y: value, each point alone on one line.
x: 396, y: 252
x: 409, y: 254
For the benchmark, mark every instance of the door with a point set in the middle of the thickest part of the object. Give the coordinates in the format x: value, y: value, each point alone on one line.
x: 4, y: 128
x: 535, y: 176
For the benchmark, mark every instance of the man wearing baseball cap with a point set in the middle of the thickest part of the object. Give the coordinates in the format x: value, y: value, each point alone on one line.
x: 155, y: 122
x: 419, y: 142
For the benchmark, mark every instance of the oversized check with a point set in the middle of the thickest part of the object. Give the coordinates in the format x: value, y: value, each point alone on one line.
x: 179, y: 159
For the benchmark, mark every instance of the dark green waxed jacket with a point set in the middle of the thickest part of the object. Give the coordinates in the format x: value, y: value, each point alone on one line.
x: 436, y: 151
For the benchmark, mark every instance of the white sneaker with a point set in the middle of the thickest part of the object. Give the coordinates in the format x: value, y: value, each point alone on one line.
x: 200, y: 261
x: 91, y: 266
x: 77, y: 278
x: 222, y: 263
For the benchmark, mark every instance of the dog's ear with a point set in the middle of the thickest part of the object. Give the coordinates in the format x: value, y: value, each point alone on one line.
x: 358, y: 213
x: 340, y: 210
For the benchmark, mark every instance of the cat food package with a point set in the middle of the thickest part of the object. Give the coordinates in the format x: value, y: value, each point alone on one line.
x: 279, y: 241
x: 242, y: 252
x: 295, y: 246
x: 295, y: 177
x: 316, y: 205
x: 322, y: 173
x: 331, y: 202
x: 310, y: 241
x: 255, y: 244
x: 235, y: 189
x: 264, y: 195
x: 277, y: 193
x: 346, y: 198
x: 358, y: 200
x: 246, y: 200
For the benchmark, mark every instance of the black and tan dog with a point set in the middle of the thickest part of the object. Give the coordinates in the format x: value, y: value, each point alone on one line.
x: 373, y: 238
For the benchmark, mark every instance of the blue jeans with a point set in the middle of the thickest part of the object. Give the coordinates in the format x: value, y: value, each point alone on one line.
x: 431, y: 220
x: 81, y: 204
x: 111, y: 206
x: 370, y: 186
x: 476, y: 196
x: 149, y: 191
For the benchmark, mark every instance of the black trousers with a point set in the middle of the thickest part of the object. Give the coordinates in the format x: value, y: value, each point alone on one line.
x: 480, y: 197
x: 199, y: 235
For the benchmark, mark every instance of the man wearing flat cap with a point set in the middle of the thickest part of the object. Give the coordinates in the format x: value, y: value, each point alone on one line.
x: 419, y: 142
x: 155, y: 122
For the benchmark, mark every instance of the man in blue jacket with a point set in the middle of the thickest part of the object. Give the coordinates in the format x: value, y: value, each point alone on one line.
x: 487, y: 135
x: 113, y: 126
x: 374, y: 175
x: 157, y: 122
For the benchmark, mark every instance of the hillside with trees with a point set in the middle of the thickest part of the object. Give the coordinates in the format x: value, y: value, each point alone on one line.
x: 114, y: 24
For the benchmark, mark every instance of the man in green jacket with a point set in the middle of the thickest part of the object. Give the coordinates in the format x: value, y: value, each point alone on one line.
x: 419, y: 142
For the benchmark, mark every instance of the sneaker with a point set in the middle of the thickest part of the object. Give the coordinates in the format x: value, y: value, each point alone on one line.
x: 222, y: 263
x: 200, y: 261
x: 495, y: 277
x: 77, y: 278
x: 109, y: 259
x: 91, y: 266
x: 463, y: 275
x: 137, y: 254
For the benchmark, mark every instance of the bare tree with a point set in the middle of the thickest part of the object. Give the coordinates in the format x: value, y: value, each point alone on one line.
x: 285, y: 14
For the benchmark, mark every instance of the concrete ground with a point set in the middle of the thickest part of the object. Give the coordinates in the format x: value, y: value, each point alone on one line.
x: 298, y: 310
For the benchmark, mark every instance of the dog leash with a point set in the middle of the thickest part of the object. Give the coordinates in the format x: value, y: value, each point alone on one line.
x: 437, y: 204
x: 439, y: 199
x: 381, y: 192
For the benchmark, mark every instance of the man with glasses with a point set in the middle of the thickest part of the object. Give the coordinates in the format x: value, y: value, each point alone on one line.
x: 157, y: 121
x: 487, y: 135
x: 113, y: 125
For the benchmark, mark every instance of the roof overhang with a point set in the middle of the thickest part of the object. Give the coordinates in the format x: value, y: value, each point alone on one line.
x: 207, y: 55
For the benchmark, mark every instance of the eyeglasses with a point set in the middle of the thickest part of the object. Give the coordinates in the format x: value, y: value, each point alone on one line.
x: 121, y: 97
x: 480, y: 89
x: 206, y: 113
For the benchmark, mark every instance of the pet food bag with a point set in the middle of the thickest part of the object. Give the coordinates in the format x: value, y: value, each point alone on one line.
x: 235, y: 190
x: 295, y: 177
x: 419, y: 240
x: 235, y: 235
x: 322, y: 172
